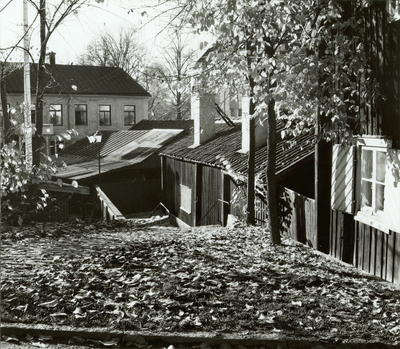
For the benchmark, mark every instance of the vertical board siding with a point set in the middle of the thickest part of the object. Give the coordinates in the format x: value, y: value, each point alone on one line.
x: 396, y: 262
x: 178, y: 172
x: 374, y: 251
x: 211, y: 196
x: 379, y: 115
x: 297, y: 216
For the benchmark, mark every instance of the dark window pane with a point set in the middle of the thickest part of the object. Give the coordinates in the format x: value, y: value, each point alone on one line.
x: 105, y: 115
x: 56, y: 114
x: 80, y: 114
x: 129, y: 115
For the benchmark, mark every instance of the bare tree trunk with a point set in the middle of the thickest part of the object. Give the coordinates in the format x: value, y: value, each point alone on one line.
x: 272, y: 204
x: 40, y: 85
x: 251, y: 219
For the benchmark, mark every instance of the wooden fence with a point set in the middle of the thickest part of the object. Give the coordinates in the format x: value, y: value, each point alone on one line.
x: 108, y: 210
x: 297, y: 217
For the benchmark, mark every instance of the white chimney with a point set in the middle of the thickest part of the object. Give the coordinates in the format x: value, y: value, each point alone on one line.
x: 261, y: 134
x: 203, y: 113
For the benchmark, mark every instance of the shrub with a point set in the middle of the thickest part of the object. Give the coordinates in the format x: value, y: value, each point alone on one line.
x: 21, y: 198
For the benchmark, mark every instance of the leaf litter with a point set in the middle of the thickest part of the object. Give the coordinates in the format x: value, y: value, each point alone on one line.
x: 204, y: 279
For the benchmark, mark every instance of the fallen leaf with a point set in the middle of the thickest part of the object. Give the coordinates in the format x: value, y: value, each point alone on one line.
x: 10, y: 338
x: 50, y: 304
x: 45, y: 338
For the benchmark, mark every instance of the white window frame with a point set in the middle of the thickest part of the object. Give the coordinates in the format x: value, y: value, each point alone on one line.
x: 105, y: 115
x: 56, y: 114
x: 365, y: 215
x: 128, y: 114
x: 186, y: 199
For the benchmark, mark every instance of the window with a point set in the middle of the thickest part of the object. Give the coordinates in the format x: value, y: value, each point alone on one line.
x: 372, y: 186
x: 371, y: 190
x: 105, y: 115
x: 186, y: 199
x: 377, y: 193
x: 56, y: 114
x: 129, y: 115
x: 81, y: 115
x: 240, y: 112
x: 232, y: 112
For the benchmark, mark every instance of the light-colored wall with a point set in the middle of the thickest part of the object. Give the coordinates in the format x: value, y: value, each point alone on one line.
x: 68, y: 109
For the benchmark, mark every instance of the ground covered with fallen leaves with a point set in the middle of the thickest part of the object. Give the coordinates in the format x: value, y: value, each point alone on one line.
x: 204, y: 279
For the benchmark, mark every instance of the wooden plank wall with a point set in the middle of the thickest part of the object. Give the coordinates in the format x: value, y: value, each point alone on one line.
x: 297, y: 217
x: 176, y: 172
x: 211, y: 196
x: 365, y: 247
x: 362, y: 245
x: 377, y: 252
x: 380, y: 114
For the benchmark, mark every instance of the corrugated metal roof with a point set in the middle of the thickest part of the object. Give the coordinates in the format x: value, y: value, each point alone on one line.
x: 226, y: 146
x: 87, y: 79
x: 111, y: 141
x: 118, y: 149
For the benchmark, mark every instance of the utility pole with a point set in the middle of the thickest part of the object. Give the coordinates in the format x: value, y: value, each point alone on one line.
x: 27, y: 93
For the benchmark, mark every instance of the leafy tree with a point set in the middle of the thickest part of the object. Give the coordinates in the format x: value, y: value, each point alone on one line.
x: 21, y: 198
x: 122, y: 51
x: 299, y: 61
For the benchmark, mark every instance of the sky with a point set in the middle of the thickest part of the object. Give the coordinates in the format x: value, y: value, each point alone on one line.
x: 79, y: 29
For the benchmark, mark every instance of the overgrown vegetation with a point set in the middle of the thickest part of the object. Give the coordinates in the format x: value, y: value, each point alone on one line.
x: 206, y: 279
x: 21, y: 198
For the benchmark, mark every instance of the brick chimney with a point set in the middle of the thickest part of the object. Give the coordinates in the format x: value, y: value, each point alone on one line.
x: 203, y: 113
x: 52, y: 58
x: 260, y: 131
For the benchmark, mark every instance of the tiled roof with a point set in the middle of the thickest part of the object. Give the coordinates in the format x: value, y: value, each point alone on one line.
x: 186, y: 125
x: 226, y: 145
x: 87, y: 79
x: 118, y: 149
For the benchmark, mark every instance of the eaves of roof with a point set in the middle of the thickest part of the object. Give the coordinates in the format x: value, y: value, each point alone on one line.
x: 223, y: 151
x: 186, y: 125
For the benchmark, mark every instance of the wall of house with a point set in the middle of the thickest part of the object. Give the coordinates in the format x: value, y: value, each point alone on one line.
x: 210, y: 192
x: 211, y: 198
x: 68, y: 111
x: 352, y: 241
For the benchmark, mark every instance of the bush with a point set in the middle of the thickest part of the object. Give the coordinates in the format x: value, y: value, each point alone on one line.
x: 21, y: 198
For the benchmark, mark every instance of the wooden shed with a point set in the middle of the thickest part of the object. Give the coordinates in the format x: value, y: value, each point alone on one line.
x: 202, y: 184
